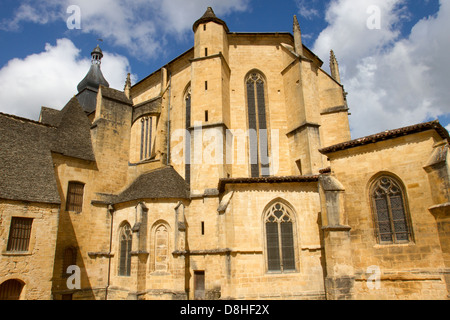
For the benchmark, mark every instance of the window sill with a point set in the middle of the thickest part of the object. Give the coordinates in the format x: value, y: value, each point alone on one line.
x: 19, y: 253
x: 390, y: 245
x: 282, y: 273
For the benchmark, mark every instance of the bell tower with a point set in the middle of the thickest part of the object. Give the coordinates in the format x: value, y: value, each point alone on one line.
x: 210, y: 102
x: 88, y: 87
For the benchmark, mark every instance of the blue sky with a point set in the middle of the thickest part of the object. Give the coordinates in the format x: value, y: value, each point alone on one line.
x: 395, y: 74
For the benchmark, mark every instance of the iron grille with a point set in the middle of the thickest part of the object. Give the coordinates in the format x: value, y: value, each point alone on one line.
x: 19, y: 234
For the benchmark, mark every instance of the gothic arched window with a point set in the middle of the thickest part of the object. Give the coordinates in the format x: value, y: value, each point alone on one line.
x: 257, y: 124
x: 125, y: 240
x: 147, y: 128
x: 390, y: 211
x: 279, y: 228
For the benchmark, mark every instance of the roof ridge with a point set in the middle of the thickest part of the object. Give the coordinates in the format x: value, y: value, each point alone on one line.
x: 387, y: 134
x: 15, y: 117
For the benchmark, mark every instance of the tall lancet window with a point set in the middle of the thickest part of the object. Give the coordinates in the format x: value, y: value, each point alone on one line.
x: 390, y: 211
x: 187, y: 141
x: 257, y: 124
x: 125, y: 240
x: 146, y: 137
x: 279, y: 228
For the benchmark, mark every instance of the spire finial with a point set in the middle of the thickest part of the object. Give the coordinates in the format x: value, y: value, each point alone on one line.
x: 127, y: 87
x: 297, y: 37
x: 97, y: 55
x: 334, y: 67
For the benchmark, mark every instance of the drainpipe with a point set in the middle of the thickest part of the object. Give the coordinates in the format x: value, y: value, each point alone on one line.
x: 111, y: 211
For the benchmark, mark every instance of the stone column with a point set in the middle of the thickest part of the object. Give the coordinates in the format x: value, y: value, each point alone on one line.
x: 438, y: 172
x: 339, y: 279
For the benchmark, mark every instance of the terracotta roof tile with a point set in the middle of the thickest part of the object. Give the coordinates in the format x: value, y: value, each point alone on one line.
x: 389, y: 134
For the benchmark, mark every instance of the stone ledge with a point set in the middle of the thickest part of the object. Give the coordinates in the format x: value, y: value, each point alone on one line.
x: 336, y: 228
x: 100, y: 254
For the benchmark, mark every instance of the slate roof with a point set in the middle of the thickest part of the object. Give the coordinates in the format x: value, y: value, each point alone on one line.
x: 93, y: 79
x: 116, y: 95
x: 389, y: 134
x: 50, y: 116
x: 73, y: 136
x: 208, y: 16
x: 88, y: 99
x: 26, y: 164
x: 26, y: 146
x: 162, y: 183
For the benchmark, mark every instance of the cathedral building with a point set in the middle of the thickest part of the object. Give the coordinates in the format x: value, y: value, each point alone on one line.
x: 229, y: 173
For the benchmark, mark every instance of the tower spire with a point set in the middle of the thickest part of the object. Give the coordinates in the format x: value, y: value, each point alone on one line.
x: 88, y: 87
x: 334, y: 67
x: 297, y: 37
x: 127, y: 87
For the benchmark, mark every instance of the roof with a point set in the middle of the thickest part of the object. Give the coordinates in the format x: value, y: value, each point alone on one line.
x: 50, y: 116
x: 88, y: 87
x: 116, y: 95
x: 73, y: 136
x: 209, y: 16
x: 93, y: 79
x: 162, y: 183
x: 88, y: 99
x: 26, y: 163
x: 389, y: 134
x: 26, y: 146
x: 272, y: 179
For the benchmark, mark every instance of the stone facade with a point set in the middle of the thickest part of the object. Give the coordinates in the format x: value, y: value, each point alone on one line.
x: 180, y: 199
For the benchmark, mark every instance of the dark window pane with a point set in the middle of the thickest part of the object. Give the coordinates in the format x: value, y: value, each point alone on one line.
x: 287, y: 242
x: 273, y: 250
x: 252, y: 125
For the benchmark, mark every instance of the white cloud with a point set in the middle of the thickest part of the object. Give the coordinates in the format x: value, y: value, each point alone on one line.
x: 50, y: 78
x: 392, y: 82
x: 140, y: 26
x: 306, y: 9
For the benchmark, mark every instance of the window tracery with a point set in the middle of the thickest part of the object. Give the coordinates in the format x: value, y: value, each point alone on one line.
x: 279, y: 238
x: 389, y: 205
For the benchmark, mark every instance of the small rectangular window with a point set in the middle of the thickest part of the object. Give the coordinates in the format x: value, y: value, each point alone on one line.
x: 206, y: 52
x: 203, y: 228
x: 299, y: 165
x: 75, y: 196
x: 206, y: 85
x: 19, y: 234
x: 206, y: 116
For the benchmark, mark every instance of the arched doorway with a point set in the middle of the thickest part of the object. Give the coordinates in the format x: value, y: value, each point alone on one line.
x: 11, y: 289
